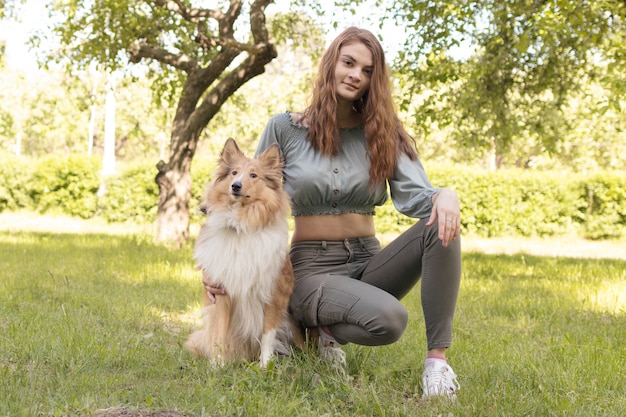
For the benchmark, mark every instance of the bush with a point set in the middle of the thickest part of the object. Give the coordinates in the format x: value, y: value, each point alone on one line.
x: 14, y: 175
x: 131, y: 196
x: 516, y: 202
x: 511, y: 202
x: 527, y: 203
x: 530, y: 203
x: 66, y: 185
x: 201, y: 173
x: 605, y: 210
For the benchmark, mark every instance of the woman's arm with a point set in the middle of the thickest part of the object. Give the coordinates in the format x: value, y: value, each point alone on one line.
x: 413, y: 195
x: 447, y: 212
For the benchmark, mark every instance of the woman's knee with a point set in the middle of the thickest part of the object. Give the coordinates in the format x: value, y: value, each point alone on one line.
x: 372, y: 325
x: 392, y: 321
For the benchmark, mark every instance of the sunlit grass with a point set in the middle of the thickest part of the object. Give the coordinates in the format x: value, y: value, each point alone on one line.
x: 610, y: 298
x: 95, y: 321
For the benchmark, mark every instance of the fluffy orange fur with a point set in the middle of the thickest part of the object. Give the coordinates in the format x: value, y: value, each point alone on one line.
x: 243, y: 248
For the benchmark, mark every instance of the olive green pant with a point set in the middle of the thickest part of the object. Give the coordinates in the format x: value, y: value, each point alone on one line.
x: 354, y: 286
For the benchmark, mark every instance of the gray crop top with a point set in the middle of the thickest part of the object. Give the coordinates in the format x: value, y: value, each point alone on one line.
x: 319, y: 185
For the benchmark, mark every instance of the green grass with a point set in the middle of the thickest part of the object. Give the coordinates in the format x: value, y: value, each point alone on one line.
x: 95, y: 321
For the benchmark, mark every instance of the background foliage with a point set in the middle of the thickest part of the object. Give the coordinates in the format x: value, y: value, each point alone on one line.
x: 512, y: 202
x: 503, y: 73
x: 531, y: 84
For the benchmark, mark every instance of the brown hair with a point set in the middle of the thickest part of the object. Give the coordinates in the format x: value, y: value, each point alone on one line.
x: 385, y: 135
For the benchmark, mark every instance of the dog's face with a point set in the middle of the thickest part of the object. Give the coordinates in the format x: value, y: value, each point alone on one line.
x: 239, y: 179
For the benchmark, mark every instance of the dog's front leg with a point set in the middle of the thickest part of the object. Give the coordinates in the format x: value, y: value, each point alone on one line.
x: 275, y: 313
x: 268, y: 340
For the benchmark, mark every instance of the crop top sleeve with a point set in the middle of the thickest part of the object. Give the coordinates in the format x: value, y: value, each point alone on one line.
x: 318, y: 184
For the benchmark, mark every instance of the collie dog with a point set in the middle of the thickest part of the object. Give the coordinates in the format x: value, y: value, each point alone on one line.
x: 243, y: 248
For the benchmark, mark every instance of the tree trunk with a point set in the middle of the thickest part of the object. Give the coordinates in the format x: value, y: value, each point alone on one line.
x: 91, y: 129
x: 174, y: 196
x: 175, y: 185
x: 110, y: 104
x: 206, y: 89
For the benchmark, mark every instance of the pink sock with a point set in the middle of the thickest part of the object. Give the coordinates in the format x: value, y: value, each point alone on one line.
x: 434, y: 362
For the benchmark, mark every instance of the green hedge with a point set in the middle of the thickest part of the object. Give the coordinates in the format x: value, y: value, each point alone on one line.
x: 73, y: 185
x: 131, y: 196
x: 69, y: 185
x: 503, y: 203
x: 513, y: 202
x: 52, y: 184
x: 604, y: 213
x: 529, y: 203
x: 15, y: 175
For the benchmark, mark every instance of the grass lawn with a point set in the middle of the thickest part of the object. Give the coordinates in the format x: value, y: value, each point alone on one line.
x: 93, y: 324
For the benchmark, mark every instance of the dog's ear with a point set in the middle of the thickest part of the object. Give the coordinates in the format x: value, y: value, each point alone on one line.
x: 272, y: 158
x: 230, y: 152
x: 272, y: 162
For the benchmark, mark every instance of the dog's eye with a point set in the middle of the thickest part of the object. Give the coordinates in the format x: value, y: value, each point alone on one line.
x: 253, y: 175
x: 234, y: 173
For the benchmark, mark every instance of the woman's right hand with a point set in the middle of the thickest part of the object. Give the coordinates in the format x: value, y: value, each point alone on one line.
x: 447, y: 212
x: 212, y: 289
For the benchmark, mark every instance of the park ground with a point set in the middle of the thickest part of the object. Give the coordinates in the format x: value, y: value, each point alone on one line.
x: 561, y: 246
x: 558, y: 315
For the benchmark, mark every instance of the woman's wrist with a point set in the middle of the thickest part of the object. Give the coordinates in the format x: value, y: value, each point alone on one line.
x: 435, y: 196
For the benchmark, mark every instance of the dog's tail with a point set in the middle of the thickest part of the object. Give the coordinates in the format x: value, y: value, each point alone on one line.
x: 288, y: 335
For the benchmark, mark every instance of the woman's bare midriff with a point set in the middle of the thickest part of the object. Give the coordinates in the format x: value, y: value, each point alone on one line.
x: 333, y: 227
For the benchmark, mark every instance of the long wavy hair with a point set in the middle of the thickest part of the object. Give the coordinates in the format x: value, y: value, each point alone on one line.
x: 385, y: 134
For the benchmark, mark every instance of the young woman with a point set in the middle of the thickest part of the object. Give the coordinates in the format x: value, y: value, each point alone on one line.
x: 340, y: 155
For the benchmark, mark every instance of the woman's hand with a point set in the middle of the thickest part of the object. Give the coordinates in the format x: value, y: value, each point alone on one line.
x: 212, y: 290
x: 447, y: 211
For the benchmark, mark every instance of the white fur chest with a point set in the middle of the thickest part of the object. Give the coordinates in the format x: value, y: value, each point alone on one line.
x: 244, y: 262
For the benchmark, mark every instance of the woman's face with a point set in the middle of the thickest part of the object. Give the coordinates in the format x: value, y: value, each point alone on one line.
x: 353, y: 71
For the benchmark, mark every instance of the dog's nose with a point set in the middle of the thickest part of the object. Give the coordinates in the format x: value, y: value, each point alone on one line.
x: 236, y: 186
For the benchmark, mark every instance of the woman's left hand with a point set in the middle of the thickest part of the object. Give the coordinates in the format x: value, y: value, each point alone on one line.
x: 447, y: 211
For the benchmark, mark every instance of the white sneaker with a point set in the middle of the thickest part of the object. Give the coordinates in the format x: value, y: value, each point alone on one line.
x: 439, y: 379
x: 330, y: 350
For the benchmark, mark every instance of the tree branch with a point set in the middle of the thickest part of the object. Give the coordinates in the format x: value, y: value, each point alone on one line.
x: 253, y: 65
x: 226, y: 22
x: 193, y: 15
x: 139, y: 50
x: 257, y: 21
